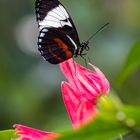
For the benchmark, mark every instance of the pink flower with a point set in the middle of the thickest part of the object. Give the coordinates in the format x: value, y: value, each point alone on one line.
x: 81, y: 93
x: 27, y: 133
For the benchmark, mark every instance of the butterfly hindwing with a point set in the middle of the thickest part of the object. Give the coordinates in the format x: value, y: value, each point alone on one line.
x: 55, y: 46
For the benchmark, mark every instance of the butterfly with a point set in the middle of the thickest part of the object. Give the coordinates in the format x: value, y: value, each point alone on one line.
x: 58, y: 38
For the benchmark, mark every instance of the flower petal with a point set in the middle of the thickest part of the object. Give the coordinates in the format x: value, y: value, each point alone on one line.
x: 71, y: 100
x: 89, y: 83
x: 86, y: 112
x: 27, y: 133
x: 76, y: 78
x: 69, y: 70
x: 105, y: 86
x: 80, y: 110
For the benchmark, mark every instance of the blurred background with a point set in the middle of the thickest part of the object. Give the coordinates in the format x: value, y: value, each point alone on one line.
x: 30, y: 92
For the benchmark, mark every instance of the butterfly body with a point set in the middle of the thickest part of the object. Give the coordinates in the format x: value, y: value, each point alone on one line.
x: 58, y: 39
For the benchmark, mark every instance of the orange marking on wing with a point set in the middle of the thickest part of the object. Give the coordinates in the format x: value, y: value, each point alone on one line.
x: 68, y: 54
x: 63, y: 46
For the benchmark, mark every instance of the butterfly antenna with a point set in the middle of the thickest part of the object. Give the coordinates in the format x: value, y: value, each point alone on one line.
x: 98, y: 31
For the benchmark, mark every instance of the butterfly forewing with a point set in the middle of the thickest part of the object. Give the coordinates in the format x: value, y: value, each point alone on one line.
x: 43, y: 7
x: 58, y: 38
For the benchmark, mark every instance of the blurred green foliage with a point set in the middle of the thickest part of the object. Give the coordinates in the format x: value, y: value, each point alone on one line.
x: 132, y: 63
x: 7, y: 134
x: 30, y: 91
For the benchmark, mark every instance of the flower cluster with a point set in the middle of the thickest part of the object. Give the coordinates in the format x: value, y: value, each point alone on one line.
x: 80, y: 95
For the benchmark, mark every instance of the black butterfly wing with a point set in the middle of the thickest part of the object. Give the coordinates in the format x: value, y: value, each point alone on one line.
x: 55, y: 22
x: 55, y: 46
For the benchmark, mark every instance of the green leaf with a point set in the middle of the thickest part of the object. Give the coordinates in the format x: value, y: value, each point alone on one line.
x: 97, y: 130
x: 114, y: 121
x: 131, y: 64
x: 7, y: 134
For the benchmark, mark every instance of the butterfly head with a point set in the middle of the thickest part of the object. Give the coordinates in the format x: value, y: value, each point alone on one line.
x: 84, y: 46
